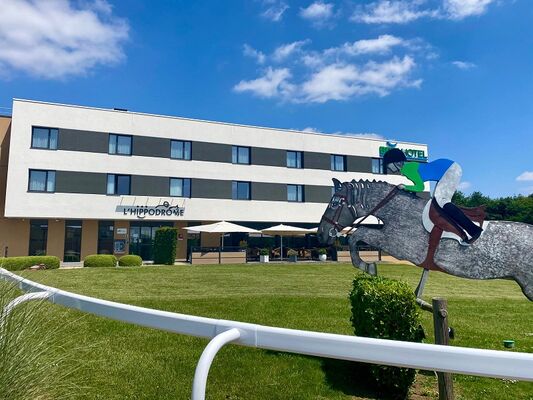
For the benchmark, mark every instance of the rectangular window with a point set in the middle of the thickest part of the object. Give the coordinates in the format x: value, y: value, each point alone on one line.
x: 38, y: 237
x: 180, y: 149
x: 180, y: 187
x: 240, y: 190
x: 120, y: 144
x: 118, y: 184
x: 72, y: 241
x: 106, y: 230
x: 44, y: 138
x: 42, y: 181
x: 294, y: 159
x: 295, y: 193
x: 240, y: 155
x: 338, y: 163
x: 377, y: 165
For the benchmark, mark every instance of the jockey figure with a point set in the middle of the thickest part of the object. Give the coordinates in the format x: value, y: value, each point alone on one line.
x: 446, y: 173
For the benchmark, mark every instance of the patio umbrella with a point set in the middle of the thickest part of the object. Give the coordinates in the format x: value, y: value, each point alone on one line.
x: 285, y: 230
x: 221, y: 227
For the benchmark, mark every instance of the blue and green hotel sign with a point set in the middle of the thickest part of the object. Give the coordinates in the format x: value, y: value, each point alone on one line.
x: 410, y: 154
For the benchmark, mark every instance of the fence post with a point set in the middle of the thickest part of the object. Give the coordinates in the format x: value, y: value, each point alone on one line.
x: 440, y: 323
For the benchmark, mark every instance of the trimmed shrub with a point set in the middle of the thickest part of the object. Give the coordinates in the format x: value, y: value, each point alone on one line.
x: 264, y: 252
x: 20, y: 263
x: 100, y: 260
x: 166, y: 239
x: 386, y: 309
x: 130, y: 260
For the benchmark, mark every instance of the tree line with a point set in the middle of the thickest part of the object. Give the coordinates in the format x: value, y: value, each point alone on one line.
x: 512, y: 208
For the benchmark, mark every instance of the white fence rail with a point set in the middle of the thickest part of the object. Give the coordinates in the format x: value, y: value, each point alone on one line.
x: 489, y: 363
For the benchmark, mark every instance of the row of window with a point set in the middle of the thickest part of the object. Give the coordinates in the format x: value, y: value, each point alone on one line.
x: 46, y: 138
x: 120, y: 185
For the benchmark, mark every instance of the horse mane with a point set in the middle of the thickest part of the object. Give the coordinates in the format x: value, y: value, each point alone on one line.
x: 362, y: 184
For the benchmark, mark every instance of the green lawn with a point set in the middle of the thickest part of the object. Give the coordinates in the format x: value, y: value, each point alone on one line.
x: 122, y: 361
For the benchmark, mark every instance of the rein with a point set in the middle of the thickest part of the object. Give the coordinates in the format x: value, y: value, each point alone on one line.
x: 384, y: 201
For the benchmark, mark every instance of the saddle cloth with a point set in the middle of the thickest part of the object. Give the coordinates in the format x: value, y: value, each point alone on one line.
x: 440, y: 226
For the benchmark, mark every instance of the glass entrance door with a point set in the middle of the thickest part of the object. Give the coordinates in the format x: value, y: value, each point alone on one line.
x: 142, y: 235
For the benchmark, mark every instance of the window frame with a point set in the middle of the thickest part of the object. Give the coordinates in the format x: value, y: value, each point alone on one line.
x: 182, y: 188
x: 115, y: 185
x: 32, y: 146
x: 333, y: 162
x: 237, y: 191
x: 299, y: 160
x: 47, y: 171
x: 299, y: 191
x: 116, y: 153
x: 380, y: 165
x: 237, y: 148
x: 183, y: 142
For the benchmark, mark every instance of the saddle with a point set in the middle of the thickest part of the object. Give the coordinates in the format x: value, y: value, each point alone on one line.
x: 444, y: 226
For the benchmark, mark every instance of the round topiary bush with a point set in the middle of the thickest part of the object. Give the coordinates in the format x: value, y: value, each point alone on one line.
x: 386, y: 309
x: 130, y: 260
x: 20, y: 263
x: 100, y: 260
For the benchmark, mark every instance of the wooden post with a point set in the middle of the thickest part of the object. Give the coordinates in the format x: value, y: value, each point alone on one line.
x: 440, y: 323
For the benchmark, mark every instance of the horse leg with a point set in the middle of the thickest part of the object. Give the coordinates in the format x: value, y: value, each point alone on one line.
x: 365, y: 235
x: 420, y: 288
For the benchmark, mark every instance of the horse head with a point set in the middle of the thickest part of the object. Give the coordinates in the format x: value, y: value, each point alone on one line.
x: 350, y: 201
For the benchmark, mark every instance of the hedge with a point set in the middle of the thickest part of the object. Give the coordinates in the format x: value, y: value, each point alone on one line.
x: 166, y: 239
x: 100, y: 260
x: 20, y: 263
x: 130, y: 260
x: 386, y: 309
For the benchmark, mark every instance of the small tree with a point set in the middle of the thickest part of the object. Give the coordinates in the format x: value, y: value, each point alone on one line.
x: 165, y: 242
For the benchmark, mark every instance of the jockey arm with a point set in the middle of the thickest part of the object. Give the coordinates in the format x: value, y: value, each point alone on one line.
x: 410, y: 171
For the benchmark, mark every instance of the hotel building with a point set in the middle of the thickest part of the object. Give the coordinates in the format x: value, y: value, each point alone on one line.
x: 79, y: 180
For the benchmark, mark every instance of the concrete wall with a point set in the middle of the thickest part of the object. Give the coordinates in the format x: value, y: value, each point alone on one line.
x: 89, y: 238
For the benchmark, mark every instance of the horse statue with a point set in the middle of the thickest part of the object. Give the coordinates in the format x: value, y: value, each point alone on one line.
x: 504, y: 250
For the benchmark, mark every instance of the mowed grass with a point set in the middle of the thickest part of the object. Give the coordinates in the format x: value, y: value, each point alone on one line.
x: 122, y: 361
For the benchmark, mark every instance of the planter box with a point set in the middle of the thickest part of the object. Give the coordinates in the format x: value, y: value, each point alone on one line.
x: 264, y: 259
x: 322, y: 257
x: 293, y: 258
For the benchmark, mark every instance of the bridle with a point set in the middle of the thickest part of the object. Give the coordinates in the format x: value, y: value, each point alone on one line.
x: 337, y: 228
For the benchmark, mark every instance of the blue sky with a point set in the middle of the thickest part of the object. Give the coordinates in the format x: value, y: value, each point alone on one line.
x: 455, y: 74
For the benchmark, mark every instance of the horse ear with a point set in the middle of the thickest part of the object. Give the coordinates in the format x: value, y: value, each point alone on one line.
x: 337, y: 184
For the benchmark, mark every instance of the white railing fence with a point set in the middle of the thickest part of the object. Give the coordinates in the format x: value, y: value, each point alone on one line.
x: 461, y: 360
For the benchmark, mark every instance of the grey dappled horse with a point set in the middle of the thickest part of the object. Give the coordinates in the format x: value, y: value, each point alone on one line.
x: 504, y: 250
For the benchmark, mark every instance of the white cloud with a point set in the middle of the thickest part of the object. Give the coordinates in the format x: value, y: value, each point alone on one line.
x: 465, y: 65
x: 464, y: 185
x: 318, y: 13
x: 381, y: 45
x: 391, y: 12
x: 360, y: 135
x: 56, y: 39
x: 459, y: 9
x: 344, y: 81
x: 249, y: 51
x: 274, y: 83
x: 405, y: 11
x: 525, y: 176
x: 274, y: 10
x: 284, y: 51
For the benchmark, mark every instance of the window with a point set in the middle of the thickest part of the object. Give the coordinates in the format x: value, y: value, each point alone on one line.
x: 72, y: 241
x: 180, y: 149
x: 44, y: 138
x: 295, y: 193
x: 294, y: 159
x: 180, y: 187
x: 377, y: 165
x: 338, y: 163
x: 118, y: 184
x: 240, y: 191
x: 105, y: 237
x: 38, y: 237
x: 120, y: 144
x: 42, y: 181
x: 240, y: 155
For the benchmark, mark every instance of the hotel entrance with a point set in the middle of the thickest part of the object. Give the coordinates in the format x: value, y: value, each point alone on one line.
x: 142, y: 235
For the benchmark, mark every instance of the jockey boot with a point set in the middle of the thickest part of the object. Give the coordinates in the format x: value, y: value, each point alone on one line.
x: 463, y: 221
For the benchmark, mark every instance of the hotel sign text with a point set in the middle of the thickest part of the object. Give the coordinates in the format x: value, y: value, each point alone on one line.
x: 161, y: 210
